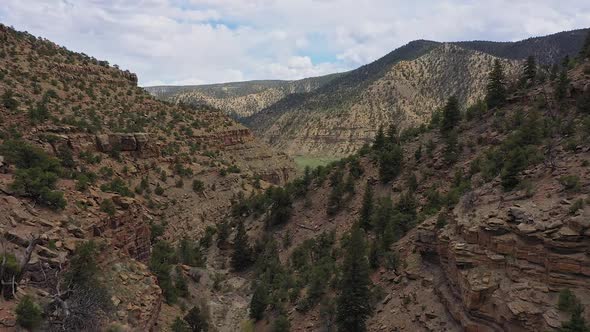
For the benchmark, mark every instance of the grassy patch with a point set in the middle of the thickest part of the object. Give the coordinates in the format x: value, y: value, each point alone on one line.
x: 312, y: 162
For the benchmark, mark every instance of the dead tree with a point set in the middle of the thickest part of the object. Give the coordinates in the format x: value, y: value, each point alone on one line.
x: 10, y: 277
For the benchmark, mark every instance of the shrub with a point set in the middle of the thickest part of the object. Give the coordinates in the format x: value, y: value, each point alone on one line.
x: 180, y: 325
x: 258, y: 303
x: 159, y: 190
x: 570, y: 182
x: 281, y: 324
x: 578, y: 205
x: 107, y: 207
x: 390, y: 163
x: 117, y: 185
x: 196, y: 320
x: 8, y: 100
x: 567, y: 300
x: 198, y: 186
x: 28, y: 313
x: 161, y: 261
x: 37, y: 173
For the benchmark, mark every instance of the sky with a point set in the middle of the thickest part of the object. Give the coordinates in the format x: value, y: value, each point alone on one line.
x: 180, y: 42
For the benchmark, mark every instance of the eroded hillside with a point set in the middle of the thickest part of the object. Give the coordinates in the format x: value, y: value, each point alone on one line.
x: 240, y: 99
x: 92, y: 165
x: 481, y: 227
x: 407, y: 94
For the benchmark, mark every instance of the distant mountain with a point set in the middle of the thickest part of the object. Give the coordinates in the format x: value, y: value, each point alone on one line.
x: 547, y: 50
x: 404, y: 86
x: 336, y: 114
x: 239, y: 99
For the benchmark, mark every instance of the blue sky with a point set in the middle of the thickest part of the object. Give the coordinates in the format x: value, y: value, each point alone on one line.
x: 208, y: 41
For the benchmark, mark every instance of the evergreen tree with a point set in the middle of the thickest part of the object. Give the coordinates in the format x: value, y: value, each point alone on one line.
x: 530, y: 71
x: 163, y: 256
x: 180, y: 325
x: 577, y: 323
x: 515, y: 163
x: 196, y: 320
x: 418, y: 153
x: 392, y: 134
x: 585, y: 51
x: 258, y: 302
x: 496, y: 89
x: 242, y: 253
x: 282, y: 205
x: 562, y: 84
x: 180, y: 283
x: 390, y: 163
x: 451, y: 115
x: 379, y: 141
x: 367, y: 208
x: 566, y: 62
x: 353, y: 306
x: 554, y: 71
x: 335, y: 200
x: 281, y: 324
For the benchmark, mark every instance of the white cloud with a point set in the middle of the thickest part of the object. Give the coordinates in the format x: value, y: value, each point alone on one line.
x: 204, y: 41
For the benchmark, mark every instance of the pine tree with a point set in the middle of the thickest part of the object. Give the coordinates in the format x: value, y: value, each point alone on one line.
x: 367, y: 208
x: 554, y: 71
x: 515, y: 163
x: 390, y: 163
x: 577, y: 323
x: 196, y: 320
x: 530, y: 71
x: 451, y: 115
x: 566, y: 62
x: 496, y: 89
x: 585, y: 51
x: 242, y: 256
x: 562, y: 84
x: 379, y: 141
x: 418, y: 153
x: 180, y: 325
x: 392, y: 134
x: 258, y: 303
x: 353, y: 301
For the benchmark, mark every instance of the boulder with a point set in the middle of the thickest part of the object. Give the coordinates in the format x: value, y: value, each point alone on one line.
x: 103, y: 143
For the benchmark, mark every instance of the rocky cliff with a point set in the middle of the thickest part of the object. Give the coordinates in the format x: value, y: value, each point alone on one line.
x: 122, y: 161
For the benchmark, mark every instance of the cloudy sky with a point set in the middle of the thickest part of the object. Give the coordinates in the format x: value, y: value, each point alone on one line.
x: 207, y: 41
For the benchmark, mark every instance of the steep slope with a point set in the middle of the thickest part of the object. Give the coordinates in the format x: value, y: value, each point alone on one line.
x: 547, y: 49
x: 86, y: 155
x: 338, y: 118
x: 406, y: 93
x: 490, y: 231
x: 239, y: 99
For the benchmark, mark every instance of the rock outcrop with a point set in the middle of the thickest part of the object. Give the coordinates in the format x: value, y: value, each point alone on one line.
x: 503, y: 267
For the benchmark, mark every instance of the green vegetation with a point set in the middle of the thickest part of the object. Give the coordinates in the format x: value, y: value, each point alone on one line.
x: 84, y: 279
x: 196, y: 320
x: 496, y: 89
x: 312, y: 162
x: 258, y: 302
x: 37, y: 173
x: 161, y: 261
x: 198, y: 186
x: 451, y: 115
x: 117, y: 185
x: 569, y: 303
x: 107, y: 206
x: 354, y: 295
x: 28, y: 313
x: 242, y: 253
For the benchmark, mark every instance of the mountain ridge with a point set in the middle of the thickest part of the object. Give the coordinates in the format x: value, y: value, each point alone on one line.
x: 347, y: 92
